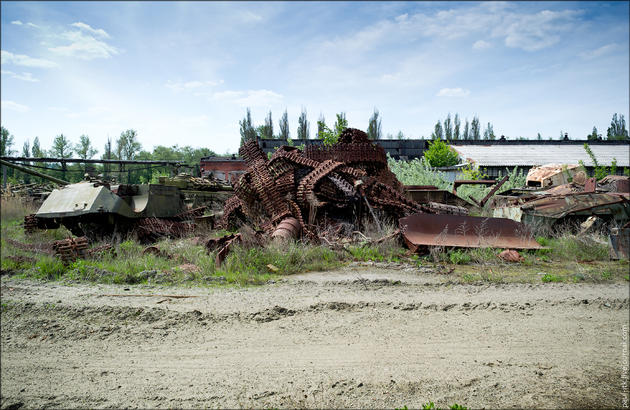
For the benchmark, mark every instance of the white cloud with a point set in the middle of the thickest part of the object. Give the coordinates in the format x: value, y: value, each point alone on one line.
x: 518, y: 29
x: 191, y: 85
x: 84, y: 45
x: 17, y: 22
x: 24, y: 76
x: 250, y: 98
x: 32, y: 25
x: 533, y: 32
x: 481, y: 45
x: 591, y: 54
x: 249, y: 17
x: 99, y: 32
x: 453, y: 92
x: 12, y: 105
x: 26, y: 61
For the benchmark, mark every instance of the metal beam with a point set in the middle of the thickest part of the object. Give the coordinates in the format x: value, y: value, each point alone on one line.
x: 29, y: 171
x: 93, y: 161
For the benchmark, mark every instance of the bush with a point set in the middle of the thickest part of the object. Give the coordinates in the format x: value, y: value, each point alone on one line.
x: 440, y: 154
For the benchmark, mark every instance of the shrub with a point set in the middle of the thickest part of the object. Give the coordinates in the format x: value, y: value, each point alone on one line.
x: 440, y: 154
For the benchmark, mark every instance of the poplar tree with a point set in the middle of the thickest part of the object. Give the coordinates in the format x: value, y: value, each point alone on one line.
x: 374, y: 130
x: 302, y: 131
x: 284, y: 126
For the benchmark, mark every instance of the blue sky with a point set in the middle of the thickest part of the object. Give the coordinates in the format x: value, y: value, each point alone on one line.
x: 185, y: 72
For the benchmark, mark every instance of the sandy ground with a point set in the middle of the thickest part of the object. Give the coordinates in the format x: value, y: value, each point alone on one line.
x: 356, y: 338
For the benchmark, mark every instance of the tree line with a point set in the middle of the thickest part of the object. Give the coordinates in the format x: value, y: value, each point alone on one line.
x: 125, y: 147
x: 249, y: 132
x: 448, y: 129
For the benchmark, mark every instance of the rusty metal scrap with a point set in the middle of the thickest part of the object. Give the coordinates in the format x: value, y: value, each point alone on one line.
x: 71, y: 249
x: 289, y: 228
x: 558, y: 206
x: 296, y: 184
x: 152, y: 229
x: 494, y: 190
x: 465, y: 231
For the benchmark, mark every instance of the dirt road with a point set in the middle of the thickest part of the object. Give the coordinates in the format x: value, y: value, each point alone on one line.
x: 358, y: 337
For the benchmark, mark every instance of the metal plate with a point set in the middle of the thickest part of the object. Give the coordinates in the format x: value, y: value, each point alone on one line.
x: 465, y: 232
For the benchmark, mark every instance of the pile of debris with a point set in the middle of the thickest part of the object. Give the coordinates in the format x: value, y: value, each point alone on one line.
x: 564, y: 195
x: 33, y: 192
x: 335, y: 188
x: 298, y: 194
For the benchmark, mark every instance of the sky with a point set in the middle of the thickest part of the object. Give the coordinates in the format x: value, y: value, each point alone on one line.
x: 184, y: 73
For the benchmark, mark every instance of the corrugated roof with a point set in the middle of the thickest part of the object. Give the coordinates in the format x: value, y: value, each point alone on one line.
x: 529, y: 155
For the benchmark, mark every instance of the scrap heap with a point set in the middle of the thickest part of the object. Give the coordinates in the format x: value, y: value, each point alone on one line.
x: 297, y: 194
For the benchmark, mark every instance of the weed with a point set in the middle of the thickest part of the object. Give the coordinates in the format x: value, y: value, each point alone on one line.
x: 459, y: 257
x: 581, y: 248
x: 468, y: 277
x: 484, y: 255
x: 551, y: 278
x: 431, y: 406
x: 49, y: 268
x: 606, y: 275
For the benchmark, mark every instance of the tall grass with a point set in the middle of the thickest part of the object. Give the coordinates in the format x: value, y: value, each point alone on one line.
x: 14, y: 209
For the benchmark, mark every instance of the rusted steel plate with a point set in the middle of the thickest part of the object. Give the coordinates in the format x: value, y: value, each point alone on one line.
x: 590, y: 185
x: 465, y: 231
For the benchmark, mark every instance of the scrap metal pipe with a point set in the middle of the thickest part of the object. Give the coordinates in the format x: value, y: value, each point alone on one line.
x: 35, y: 173
x: 93, y: 161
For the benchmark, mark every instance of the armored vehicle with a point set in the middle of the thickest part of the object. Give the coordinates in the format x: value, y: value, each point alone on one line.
x: 94, y: 208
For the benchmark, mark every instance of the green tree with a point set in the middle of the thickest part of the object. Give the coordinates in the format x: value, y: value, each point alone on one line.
x: 341, y: 123
x: 127, y: 145
x: 266, y: 131
x: 26, y: 152
x: 539, y: 137
x: 593, y: 135
x: 440, y: 154
x: 321, y: 126
x: 488, y: 134
x: 466, y: 135
x: 284, y: 127
x: 107, y: 154
x: 400, y: 135
x: 475, y: 129
x: 247, y: 129
x: 438, y: 132
x: 374, y: 130
x: 36, y: 150
x: 62, y: 148
x: 448, y: 127
x: 302, y: 131
x: 84, y: 148
x: 6, y: 142
x: 331, y: 136
x: 617, y: 129
x: 457, y: 124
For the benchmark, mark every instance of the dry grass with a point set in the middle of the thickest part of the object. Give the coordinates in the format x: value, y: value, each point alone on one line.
x: 13, y: 208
